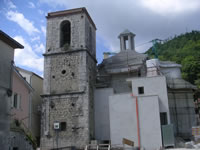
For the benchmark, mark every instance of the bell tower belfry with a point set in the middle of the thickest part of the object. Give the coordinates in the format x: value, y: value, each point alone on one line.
x: 69, y: 79
x: 127, y: 40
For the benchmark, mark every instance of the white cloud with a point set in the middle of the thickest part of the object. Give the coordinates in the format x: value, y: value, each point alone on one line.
x: 41, y: 12
x: 43, y: 28
x: 36, y: 38
x: 165, y: 7
x: 10, y: 4
x: 39, y: 48
x: 148, y: 19
x: 27, y: 57
x: 24, y: 23
x: 31, y: 5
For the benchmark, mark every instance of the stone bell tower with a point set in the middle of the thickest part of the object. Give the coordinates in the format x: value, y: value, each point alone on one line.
x: 69, y: 79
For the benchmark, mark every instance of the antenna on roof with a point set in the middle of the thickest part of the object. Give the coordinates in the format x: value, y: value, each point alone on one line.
x: 155, y: 42
x: 107, y: 54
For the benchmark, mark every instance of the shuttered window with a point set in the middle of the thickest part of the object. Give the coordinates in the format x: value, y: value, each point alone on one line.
x: 16, y: 101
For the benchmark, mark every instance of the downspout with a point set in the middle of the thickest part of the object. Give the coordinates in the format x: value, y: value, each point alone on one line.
x: 30, y: 104
x: 30, y: 110
x: 137, y: 117
x: 9, y: 91
x: 11, y: 74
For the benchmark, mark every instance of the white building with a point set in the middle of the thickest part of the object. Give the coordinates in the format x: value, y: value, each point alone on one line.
x: 131, y: 99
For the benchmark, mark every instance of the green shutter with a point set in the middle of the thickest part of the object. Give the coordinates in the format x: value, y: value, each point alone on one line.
x: 18, y: 101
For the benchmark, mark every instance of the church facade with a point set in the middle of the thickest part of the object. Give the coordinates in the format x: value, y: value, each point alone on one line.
x: 125, y: 96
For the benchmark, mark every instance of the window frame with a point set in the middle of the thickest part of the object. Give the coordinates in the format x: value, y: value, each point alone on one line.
x: 16, y: 101
x: 65, y: 25
x: 141, y: 90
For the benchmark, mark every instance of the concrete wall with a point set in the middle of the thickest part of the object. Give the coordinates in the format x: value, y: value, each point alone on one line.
x: 102, y: 119
x: 119, y: 83
x: 37, y: 84
x: 7, y: 55
x: 123, y: 120
x: 153, y: 86
x: 21, y: 113
x: 4, y: 119
x: 20, y: 141
x: 150, y: 128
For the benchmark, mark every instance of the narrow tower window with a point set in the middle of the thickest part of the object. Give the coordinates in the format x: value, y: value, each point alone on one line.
x: 65, y: 33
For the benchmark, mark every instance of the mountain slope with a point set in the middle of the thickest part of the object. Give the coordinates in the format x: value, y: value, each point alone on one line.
x: 185, y: 50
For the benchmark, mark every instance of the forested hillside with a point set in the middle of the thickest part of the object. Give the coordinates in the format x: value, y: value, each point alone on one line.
x: 185, y: 50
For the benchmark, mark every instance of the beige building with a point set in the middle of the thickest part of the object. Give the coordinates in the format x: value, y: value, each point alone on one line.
x: 21, y: 99
x: 20, y: 116
x: 36, y: 82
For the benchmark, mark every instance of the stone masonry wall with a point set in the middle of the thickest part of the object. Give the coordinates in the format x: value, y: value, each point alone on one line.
x: 77, y: 32
x: 91, y: 71
x: 72, y: 105
x: 73, y: 110
x: 67, y: 72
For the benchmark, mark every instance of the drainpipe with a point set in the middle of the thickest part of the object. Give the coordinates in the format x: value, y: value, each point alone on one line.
x: 30, y: 104
x: 30, y: 110
x: 9, y: 91
x: 137, y: 116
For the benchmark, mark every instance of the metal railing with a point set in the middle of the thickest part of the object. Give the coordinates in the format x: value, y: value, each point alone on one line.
x: 98, y: 146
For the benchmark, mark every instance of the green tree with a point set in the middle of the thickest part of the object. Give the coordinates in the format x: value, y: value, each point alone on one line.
x: 185, y: 50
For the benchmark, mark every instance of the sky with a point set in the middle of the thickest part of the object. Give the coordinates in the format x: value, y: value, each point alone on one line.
x: 24, y: 20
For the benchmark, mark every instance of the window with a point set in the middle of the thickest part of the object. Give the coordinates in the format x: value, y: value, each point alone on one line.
x: 141, y: 90
x: 139, y: 73
x: 16, y: 101
x: 63, y: 126
x: 65, y: 33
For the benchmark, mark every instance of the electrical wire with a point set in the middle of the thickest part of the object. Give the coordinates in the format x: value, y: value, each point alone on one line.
x: 142, y: 44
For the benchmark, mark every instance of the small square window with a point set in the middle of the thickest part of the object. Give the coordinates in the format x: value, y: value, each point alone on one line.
x: 141, y: 90
x: 63, y: 126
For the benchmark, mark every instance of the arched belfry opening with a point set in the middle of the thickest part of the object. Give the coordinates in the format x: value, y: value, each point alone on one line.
x: 65, y: 33
x: 127, y: 40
